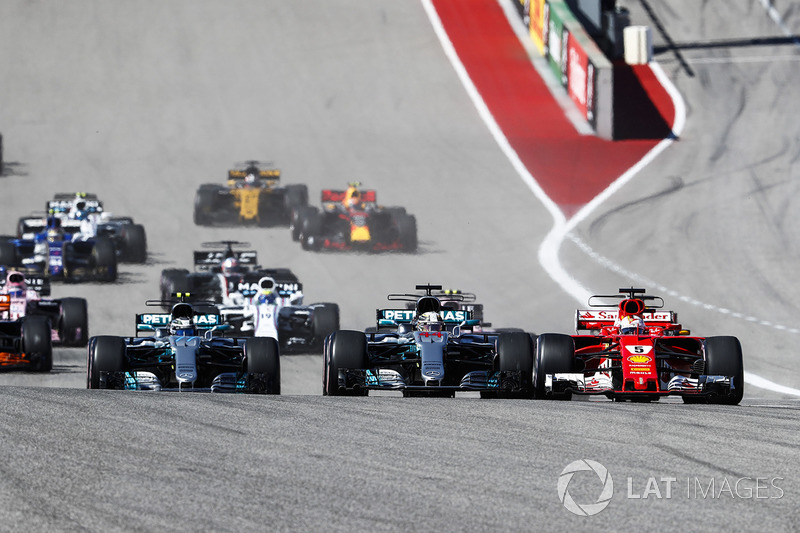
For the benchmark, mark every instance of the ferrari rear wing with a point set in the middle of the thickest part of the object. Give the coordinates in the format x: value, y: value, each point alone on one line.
x: 593, y: 319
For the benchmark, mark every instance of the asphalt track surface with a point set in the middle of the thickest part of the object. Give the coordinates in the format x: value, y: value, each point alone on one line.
x: 141, y: 102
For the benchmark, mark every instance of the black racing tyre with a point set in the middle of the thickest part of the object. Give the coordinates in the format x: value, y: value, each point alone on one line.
x: 343, y: 349
x: 261, y: 356
x: 325, y: 321
x: 105, y: 260
x: 296, y: 197
x: 8, y: 254
x: 36, y: 343
x: 205, y: 204
x: 407, y: 232
x: 555, y: 354
x: 106, y: 353
x: 134, y: 243
x: 296, y: 220
x: 311, y: 231
x: 73, y: 322
x: 724, y: 358
x: 515, y: 353
x: 325, y: 349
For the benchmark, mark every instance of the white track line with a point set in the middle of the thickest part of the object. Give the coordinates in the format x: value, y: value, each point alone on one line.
x: 551, y: 263
x: 773, y: 14
x: 549, y: 249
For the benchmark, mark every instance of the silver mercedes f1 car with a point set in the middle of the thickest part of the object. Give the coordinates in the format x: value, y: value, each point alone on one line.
x: 428, y: 351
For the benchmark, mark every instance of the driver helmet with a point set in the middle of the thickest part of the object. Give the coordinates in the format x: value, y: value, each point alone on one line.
x: 266, y: 290
x: 266, y: 285
x: 80, y: 210
x: 15, y: 284
x: 630, y: 320
x: 181, y: 322
x: 54, y: 230
x: 430, y: 321
x: 55, y: 234
x: 230, y: 266
x: 354, y: 200
x: 250, y: 179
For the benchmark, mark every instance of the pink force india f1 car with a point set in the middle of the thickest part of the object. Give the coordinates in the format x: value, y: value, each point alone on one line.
x: 627, y: 348
x: 24, y: 294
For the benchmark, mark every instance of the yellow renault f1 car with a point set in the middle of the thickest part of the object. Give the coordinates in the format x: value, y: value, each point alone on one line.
x: 252, y: 196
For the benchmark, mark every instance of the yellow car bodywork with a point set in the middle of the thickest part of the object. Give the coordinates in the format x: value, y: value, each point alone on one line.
x: 246, y: 198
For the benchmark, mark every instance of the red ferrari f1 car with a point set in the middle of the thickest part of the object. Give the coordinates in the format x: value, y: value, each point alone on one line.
x: 628, y: 349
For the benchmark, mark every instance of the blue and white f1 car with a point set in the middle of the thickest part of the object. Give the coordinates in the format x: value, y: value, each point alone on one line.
x: 82, y: 218
x: 55, y: 254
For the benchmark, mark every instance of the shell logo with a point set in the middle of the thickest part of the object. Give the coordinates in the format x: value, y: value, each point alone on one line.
x: 639, y: 359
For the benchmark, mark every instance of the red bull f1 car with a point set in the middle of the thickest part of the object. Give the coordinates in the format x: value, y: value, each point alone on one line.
x: 352, y: 220
x: 252, y: 196
x: 628, y: 348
